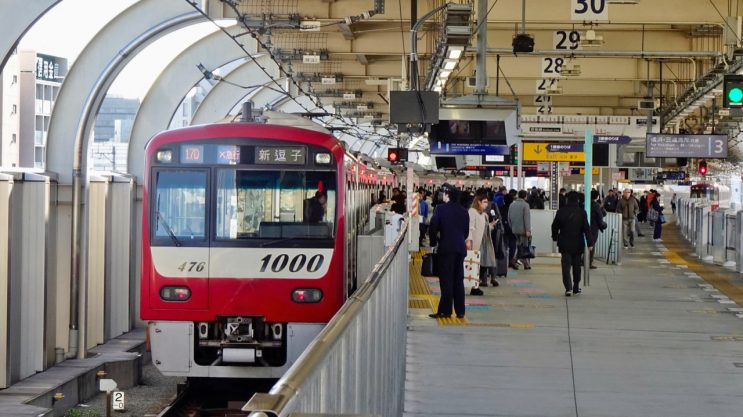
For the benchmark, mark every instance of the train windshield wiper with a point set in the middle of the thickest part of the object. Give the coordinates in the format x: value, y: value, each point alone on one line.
x: 286, y: 239
x: 167, y: 228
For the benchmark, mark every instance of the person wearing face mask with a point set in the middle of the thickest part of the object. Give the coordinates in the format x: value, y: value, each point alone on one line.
x: 447, y: 232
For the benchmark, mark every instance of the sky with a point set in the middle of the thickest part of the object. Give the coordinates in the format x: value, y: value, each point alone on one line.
x: 53, y: 34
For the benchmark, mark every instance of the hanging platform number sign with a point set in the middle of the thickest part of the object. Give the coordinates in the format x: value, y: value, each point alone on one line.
x: 566, y: 40
x: 589, y: 10
x: 543, y: 85
x: 552, y: 67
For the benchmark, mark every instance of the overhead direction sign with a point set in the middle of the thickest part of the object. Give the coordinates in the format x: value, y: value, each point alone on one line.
x: 539, y: 151
x: 469, y: 149
x: 617, y: 140
x: 686, y: 146
x: 565, y: 147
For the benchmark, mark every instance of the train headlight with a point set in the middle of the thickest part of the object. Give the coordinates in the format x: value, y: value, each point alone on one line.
x: 322, y: 158
x: 164, y: 156
x: 175, y: 293
x: 307, y: 295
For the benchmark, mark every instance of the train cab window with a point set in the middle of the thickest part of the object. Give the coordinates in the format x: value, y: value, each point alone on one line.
x: 180, y: 206
x: 275, y: 204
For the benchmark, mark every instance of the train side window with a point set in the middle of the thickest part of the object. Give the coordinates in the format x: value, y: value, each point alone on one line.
x: 179, y: 206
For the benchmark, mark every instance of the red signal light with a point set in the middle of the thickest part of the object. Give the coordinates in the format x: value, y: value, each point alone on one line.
x: 392, y: 155
x: 702, y: 167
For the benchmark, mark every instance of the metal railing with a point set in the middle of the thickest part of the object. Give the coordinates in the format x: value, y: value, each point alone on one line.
x: 356, y: 365
x: 609, y: 243
x: 716, y: 235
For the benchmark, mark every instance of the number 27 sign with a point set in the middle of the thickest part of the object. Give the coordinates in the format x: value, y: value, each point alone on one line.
x: 589, y: 10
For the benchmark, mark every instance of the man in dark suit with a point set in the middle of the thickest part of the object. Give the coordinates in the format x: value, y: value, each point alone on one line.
x: 571, y: 232
x: 449, y: 228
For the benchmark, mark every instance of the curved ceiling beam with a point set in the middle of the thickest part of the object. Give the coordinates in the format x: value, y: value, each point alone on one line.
x: 16, y: 18
x: 222, y: 98
x: 96, y: 69
x: 167, y: 92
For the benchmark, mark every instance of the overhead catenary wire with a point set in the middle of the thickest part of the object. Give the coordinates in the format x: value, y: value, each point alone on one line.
x: 357, y: 130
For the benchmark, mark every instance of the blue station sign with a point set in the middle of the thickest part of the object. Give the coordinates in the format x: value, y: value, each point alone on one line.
x: 565, y: 147
x: 469, y: 149
x: 616, y: 140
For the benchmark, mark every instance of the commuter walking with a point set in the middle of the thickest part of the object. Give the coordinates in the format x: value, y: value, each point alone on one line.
x: 423, y: 215
x: 597, y: 222
x: 479, y: 235
x: 673, y: 203
x: 448, y: 231
x: 508, y: 233
x: 610, y: 201
x: 658, y: 217
x: 519, y: 217
x: 629, y: 208
x: 571, y: 232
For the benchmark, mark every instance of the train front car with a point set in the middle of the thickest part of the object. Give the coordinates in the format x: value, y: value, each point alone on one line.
x: 243, y: 251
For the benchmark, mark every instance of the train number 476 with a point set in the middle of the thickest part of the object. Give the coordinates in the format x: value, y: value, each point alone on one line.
x: 190, y: 266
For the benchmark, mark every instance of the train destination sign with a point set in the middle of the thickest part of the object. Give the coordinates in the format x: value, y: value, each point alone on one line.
x: 686, y: 146
x: 280, y: 155
x: 468, y: 149
x: 671, y: 176
x: 616, y: 140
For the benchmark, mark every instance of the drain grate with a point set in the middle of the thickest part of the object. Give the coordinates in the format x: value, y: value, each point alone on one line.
x: 738, y: 364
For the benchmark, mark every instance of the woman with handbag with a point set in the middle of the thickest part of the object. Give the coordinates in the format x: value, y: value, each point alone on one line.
x: 658, y: 216
x: 479, y: 239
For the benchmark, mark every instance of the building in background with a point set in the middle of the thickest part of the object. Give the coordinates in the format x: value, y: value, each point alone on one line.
x: 30, y: 85
x: 184, y: 114
x: 115, y: 119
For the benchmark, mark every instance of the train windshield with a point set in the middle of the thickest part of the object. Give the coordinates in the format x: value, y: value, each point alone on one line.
x: 275, y: 204
x: 180, y: 205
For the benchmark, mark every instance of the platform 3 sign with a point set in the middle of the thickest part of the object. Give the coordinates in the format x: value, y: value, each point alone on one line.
x: 686, y: 146
x: 539, y: 151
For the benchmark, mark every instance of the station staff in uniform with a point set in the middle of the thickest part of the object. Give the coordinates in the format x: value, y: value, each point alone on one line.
x: 449, y: 228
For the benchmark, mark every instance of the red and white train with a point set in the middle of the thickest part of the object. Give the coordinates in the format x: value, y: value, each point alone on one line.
x: 237, y: 279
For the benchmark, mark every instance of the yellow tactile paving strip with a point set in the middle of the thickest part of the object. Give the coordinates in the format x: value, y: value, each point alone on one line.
x: 719, y: 278
x: 421, y: 292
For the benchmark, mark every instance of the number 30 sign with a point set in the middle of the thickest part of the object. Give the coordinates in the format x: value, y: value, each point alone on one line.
x: 589, y: 10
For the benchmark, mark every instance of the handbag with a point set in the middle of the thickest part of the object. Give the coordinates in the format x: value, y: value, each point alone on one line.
x: 429, y: 266
x: 652, y: 215
x: 526, y: 251
x: 662, y: 218
x: 472, y: 269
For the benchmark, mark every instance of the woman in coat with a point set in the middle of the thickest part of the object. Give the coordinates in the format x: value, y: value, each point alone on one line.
x: 597, y: 219
x: 479, y: 236
x: 655, y: 204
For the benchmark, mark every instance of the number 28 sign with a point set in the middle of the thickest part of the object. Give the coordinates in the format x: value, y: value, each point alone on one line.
x: 589, y: 10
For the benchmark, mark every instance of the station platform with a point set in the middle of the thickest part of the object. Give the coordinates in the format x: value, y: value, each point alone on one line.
x: 120, y: 358
x: 659, y: 335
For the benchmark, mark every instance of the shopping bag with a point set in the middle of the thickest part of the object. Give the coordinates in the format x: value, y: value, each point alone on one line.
x: 652, y: 215
x: 472, y: 269
x: 429, y: 265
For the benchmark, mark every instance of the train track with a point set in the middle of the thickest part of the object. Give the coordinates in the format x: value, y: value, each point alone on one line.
x: 214, y: 398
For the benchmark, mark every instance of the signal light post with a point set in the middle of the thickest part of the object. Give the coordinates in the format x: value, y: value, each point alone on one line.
x: 702, y: 169
x: 733, y: 92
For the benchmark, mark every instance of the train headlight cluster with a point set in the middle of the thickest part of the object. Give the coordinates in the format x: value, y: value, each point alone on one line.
x: 322, y: 158
x: 164, y: 156
x: 175, y: 293
x: 307, y: 295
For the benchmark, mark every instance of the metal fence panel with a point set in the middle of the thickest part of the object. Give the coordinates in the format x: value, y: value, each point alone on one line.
x: 356, y: 364
x: 609, y: 244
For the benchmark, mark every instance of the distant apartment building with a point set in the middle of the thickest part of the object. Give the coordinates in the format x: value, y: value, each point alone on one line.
x: 30, y: 85
x: 185, y: 112
x: 115, y: 119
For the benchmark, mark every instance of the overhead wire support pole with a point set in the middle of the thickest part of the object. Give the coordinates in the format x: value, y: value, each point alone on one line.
x: 414, y: 45
x: 481, y: 77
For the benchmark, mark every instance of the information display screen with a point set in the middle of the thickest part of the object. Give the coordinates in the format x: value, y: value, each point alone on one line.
x: 280, y: 155
x: 192, y: 154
